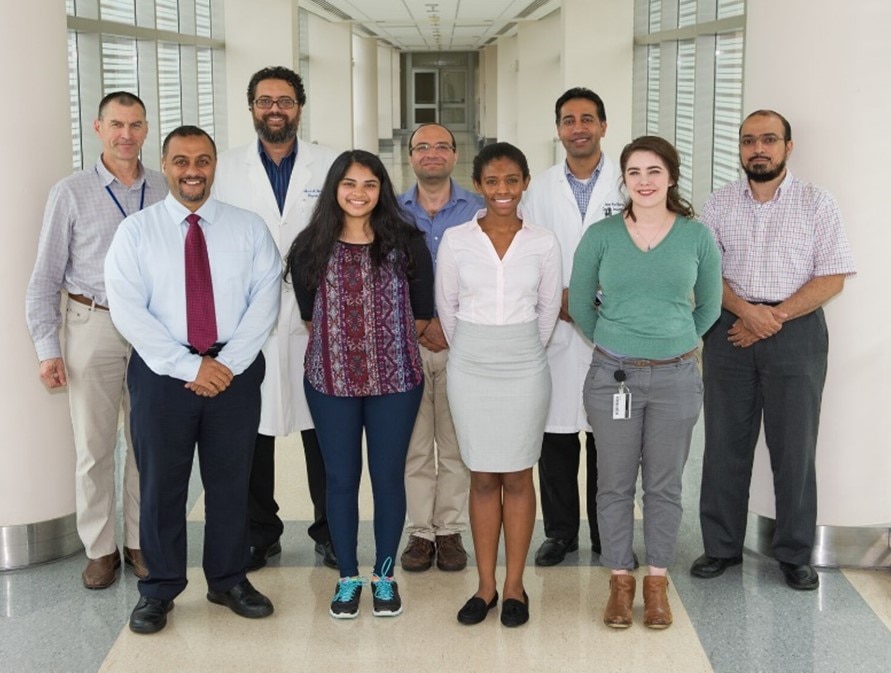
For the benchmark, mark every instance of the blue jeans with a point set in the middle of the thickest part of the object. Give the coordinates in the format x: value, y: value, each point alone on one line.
x: 388, y: 421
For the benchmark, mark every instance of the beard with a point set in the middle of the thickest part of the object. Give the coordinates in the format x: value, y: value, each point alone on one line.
x: 283, y: 135
x: 765, y: 173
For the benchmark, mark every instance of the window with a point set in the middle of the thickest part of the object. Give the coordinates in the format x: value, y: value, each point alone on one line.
x: 689, y: 90
x: 164, y: 51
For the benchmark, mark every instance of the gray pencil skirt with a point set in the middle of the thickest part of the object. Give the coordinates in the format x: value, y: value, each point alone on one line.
x: 499, y: 389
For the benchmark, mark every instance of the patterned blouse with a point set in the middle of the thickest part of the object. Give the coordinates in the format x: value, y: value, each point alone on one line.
x: 363, y: 339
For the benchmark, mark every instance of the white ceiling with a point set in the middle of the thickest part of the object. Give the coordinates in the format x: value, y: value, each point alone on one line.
x: 433, y: 25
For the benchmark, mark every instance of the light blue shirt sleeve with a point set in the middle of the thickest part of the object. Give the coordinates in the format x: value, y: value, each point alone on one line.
x: 145, y: 280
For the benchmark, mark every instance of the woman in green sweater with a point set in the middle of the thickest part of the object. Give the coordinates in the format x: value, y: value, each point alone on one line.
x: 646, y: 285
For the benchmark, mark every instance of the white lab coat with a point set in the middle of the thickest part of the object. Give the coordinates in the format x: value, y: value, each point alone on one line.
x: 549, y: 203
x: 242, y: 181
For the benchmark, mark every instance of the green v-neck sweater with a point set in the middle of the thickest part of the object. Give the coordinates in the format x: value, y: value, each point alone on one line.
x: 655, y: 304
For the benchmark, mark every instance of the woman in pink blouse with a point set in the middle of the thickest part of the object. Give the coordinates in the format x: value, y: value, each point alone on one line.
x: 498, y: 289
x: 364, y: 283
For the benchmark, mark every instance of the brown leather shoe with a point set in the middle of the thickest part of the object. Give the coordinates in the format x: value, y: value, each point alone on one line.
x: 101, y: 572
x: 133, y: 558
x: 617, y: 614
x: 657, y: 612
x: 450, y: 553
x: 418, y: 554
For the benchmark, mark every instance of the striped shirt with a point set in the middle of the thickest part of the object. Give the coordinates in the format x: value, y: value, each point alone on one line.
x: 79, y: 222
x: 771, y: 249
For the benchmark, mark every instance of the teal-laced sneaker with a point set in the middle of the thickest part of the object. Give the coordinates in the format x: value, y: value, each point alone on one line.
x: 387, y: 602
x: 345, y: 604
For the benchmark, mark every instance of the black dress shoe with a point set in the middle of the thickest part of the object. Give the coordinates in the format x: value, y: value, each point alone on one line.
x: 707, y: 566
x: 514, y: 612
x: 554, y: 550
x: 150, y: 615
x: 260, y: 555
x: 326, y: 551
x: 476, y: 610
x: 800, y: 577
x: 243, y: 599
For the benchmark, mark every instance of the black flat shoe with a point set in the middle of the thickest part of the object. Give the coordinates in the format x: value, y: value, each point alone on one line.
x: 708, y: 567
x: 243, y: 599
x: 260, y: 555
x: 800, y: 577
x: 326, y: 551
x: 514, y: 612
x: 476, y: 610
x: 150, y: 615
x: 553, y: 550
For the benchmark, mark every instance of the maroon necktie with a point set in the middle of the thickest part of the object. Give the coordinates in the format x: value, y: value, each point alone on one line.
x: 200, y: 314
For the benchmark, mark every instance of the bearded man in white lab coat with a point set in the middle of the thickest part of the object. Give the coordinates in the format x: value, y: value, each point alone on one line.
x: 279, y: 177
x: 568, y: 198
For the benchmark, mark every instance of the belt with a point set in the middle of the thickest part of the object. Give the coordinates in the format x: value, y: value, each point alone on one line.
x: 86, y: 301
x: 212, y: 352
x: 642, y: 362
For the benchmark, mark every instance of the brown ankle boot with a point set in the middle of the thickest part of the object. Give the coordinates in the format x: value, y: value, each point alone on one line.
x: 621, y: 595
x: 657, y: 612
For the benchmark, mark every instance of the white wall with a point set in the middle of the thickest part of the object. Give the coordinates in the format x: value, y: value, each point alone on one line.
x: 540, y: 84
x: 598, y: 53
x: 838, y: 103
x: 37, y: 463
x: 365, y: 105
x: 330, y: 98
x: 253, y: 42
x: 508, y: 89
x: 385, y: 86
x: 489, y: 91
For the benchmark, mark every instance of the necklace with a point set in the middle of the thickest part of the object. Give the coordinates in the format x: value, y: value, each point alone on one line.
x: 655, y: 237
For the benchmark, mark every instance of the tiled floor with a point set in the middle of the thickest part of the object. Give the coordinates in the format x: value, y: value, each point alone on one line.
x: 744, y: 622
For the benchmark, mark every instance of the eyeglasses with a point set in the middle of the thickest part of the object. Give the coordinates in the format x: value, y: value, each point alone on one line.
x: 768, y: 140
x: 426, y: 148
x: 265, y: 102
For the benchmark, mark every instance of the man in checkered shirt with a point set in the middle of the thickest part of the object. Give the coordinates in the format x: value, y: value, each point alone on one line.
x: 785, y: 254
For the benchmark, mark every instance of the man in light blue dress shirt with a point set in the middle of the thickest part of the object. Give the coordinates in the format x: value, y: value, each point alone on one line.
x: 181, y: 396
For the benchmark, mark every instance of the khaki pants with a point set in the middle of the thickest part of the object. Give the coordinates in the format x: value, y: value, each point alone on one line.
x: 96, y: 364
x: 436, y: 480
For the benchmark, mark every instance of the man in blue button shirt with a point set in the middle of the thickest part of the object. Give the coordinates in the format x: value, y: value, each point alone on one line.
x: 185, y: 393
x: 436, y: 480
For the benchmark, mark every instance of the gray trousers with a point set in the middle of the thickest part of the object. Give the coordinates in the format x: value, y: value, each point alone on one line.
x: 666, y: 400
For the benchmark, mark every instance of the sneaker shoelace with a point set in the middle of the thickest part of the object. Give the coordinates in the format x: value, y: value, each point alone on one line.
x: 346, y: 589
x: 383, y: 586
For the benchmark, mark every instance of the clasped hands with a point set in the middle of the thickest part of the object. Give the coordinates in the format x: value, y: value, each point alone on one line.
x: 212, y: 378
x: 759, y: 322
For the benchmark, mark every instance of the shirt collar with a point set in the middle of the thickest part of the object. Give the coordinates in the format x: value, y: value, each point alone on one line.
x: 482, y: 213
x: 178, y: 212
x: 787, y: 180
x: 456, y: 193
x: 263, y: 154
x: 594, y: 175
x: 106, y: 177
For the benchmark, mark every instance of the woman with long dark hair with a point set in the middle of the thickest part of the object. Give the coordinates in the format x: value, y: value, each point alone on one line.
x: 364, y: 282
x: 645, y: 286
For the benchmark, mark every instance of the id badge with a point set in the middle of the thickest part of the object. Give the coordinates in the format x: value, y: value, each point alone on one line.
x: 622, y: 406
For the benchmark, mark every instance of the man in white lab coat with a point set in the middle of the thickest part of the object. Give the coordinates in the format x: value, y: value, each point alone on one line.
x: 279, y: 177
x: 568, y: 198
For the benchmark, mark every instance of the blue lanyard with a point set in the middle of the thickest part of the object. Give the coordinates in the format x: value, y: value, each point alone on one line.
x: 118, y: 203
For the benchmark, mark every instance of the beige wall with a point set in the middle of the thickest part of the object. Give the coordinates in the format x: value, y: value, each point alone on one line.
x: 365, y: 94
x: 330, y: 96
x: 838, y: 105
x: 508, y: 89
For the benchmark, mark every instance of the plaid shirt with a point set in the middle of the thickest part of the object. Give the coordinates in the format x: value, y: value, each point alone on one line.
x: 771, y: 249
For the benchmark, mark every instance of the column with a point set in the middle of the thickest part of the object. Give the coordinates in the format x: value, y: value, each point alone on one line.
x: 37, y: 521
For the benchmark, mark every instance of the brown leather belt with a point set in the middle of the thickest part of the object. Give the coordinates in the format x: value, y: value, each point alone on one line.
x: 640, y: 362
x: 86, y: 301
